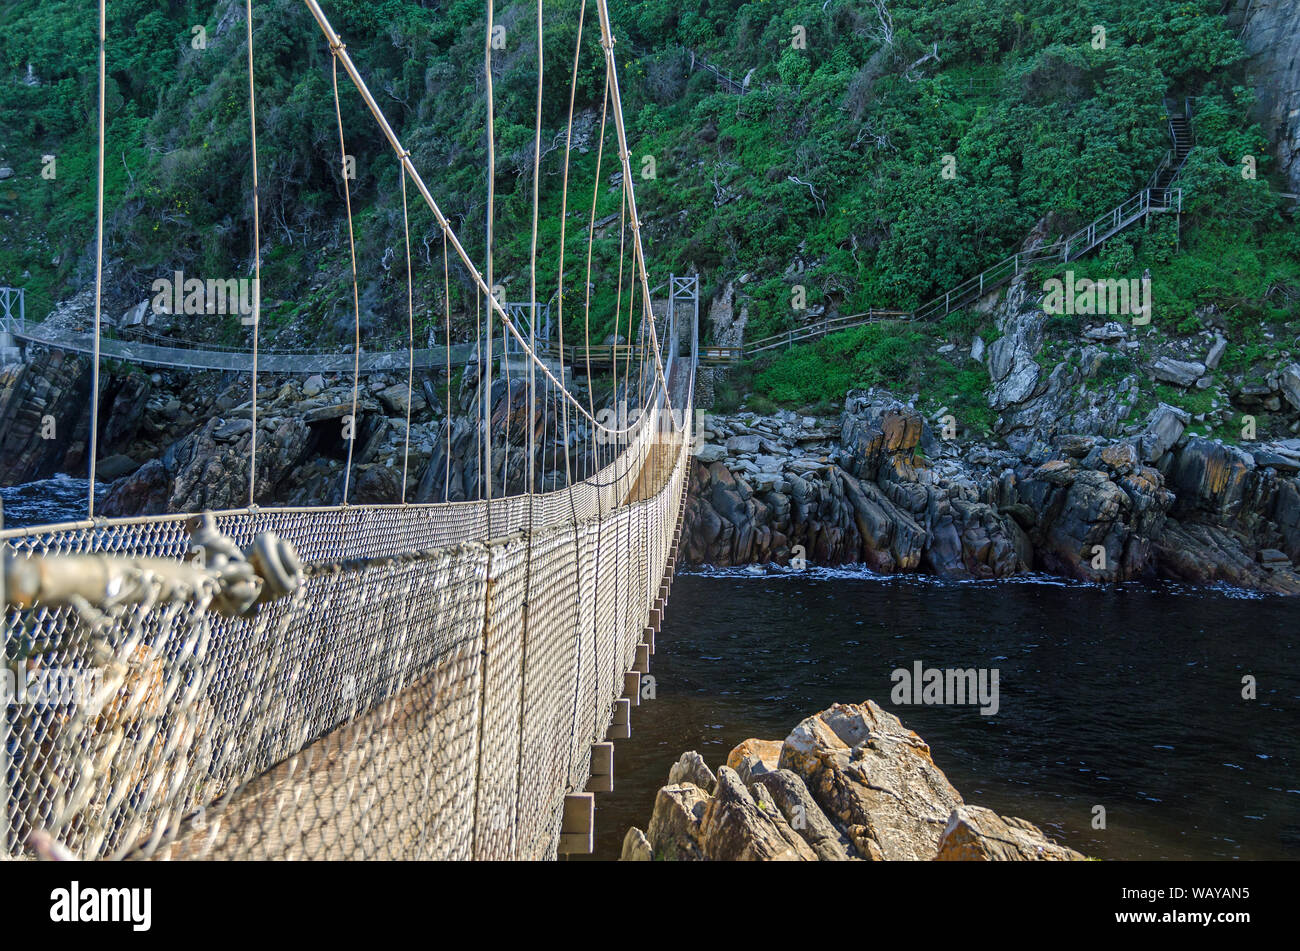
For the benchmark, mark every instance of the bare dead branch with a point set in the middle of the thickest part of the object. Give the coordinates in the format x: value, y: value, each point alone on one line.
x: 821, y: 205
x: 932, y: 55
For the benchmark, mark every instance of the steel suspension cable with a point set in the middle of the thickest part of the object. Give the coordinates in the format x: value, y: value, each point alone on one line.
x: 356, y: 296
x: 99, y: 267
x: 446, y: 294
x: 491, y: 288
x: 410, y: 332
x: 257, y: 256
x: 398, y: 148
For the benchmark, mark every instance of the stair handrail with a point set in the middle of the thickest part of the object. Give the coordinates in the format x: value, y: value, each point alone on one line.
x: 1165, y: 162
x: 1062, y: 250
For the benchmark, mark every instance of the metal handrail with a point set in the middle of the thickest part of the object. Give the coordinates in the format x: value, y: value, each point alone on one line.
x: 1063, y: 250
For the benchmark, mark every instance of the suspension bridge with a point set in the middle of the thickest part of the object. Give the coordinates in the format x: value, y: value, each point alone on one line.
x: 382, y: 681
x: 388, y: 681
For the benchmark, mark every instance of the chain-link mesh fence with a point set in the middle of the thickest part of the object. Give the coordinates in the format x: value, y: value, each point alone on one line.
x: 432, y: 690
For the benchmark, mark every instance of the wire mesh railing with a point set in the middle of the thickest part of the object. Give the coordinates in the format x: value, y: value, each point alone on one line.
x: 432, y: 690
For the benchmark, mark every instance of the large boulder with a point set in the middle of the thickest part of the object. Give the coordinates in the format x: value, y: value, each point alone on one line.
x: 852, y: 783
x: 1178, y: 372
x: 976, y: 834
x: 875, y: 778
x: 1163, y: 428
x: 742, y: 444
x: 398, y: 398
x: 875, y: 429
x: 1289, y: 379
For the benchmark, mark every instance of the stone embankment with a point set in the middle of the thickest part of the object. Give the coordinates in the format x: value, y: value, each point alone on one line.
x: 848, y: 783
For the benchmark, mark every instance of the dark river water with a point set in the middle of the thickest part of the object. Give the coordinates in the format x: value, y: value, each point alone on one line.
x: 60, y: 498
x: 1125, y: 697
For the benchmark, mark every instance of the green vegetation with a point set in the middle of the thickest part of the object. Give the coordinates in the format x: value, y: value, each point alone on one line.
x: 893, y: 355
x: 827, y: 174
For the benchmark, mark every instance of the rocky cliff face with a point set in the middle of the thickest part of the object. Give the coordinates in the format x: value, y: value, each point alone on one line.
x: 44, y: 405
x: 1078, y: 483
x: 888, y: 494
x: 849, y: 783
x: 302, y: 447
x: 1271, y: 35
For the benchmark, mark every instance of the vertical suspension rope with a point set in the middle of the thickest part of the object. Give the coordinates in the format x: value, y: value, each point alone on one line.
x: 631, y: 311
x: 618, y: 292
x: 591, y: 237
x: 564, y: 213
x: 508, y: 406
x: 532, y: 429
x: 446, y: 296
x: 356, y: 296
x: 257, y: 257
x: 410, y: 332
x: 491, y: 207
x: 480, y: 417
x: 564, y: 404
x: 595, y: 448
x: 532, y: 279
x: 99, y: 268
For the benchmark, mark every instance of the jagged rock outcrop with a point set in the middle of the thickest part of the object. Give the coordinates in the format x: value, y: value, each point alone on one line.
x: 209, y: 469
x: 49, y: 384
x: 976, y: 834
x: 1093, y: 518
x: 1013, y: 370
x: 871, y: 499
x: 890, y: 495
x: 873, y: 777
x: 852, y: 783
